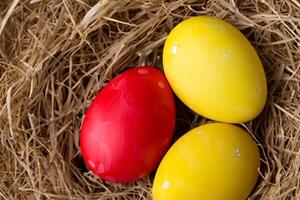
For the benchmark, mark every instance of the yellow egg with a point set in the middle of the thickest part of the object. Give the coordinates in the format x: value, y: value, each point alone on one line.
x: 214, y: 70
x: 212, y: 162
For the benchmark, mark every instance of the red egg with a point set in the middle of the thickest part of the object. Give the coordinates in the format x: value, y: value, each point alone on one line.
x: 128, y: 126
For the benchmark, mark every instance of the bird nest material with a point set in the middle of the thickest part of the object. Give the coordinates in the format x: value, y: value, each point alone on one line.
x: 55, y: 55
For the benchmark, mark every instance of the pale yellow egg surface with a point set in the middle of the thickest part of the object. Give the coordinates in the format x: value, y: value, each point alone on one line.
x: 216, y: 161
x: 214, y: 70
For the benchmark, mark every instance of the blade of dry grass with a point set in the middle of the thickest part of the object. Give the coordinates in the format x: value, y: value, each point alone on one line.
x: 8, y: 14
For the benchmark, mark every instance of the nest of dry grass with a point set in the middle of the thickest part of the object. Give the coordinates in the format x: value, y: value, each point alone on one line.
x: 55, y: 56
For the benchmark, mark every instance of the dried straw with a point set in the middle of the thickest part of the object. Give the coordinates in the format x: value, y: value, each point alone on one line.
x: 55, y: 55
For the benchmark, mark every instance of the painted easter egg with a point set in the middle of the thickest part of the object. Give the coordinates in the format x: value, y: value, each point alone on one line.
x: 128, y: 126
x: 214, y: 70
x: 213, y: 161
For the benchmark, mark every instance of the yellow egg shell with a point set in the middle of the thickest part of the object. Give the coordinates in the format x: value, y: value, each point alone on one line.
x: 212, y: 162
x: 214, y: 70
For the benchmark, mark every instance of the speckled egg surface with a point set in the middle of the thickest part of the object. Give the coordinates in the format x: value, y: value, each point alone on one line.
x: 212, y: 162
x: 214, y: 70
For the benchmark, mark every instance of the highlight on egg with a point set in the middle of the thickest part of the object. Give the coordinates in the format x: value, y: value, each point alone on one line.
x: 214, y: 70
x: 212, y: 161
x: 128, y: 126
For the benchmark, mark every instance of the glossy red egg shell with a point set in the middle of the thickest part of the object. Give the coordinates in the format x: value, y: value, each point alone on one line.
x: 129, y: 125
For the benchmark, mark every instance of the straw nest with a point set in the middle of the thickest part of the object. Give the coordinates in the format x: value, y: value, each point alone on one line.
x: 55, y: 55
